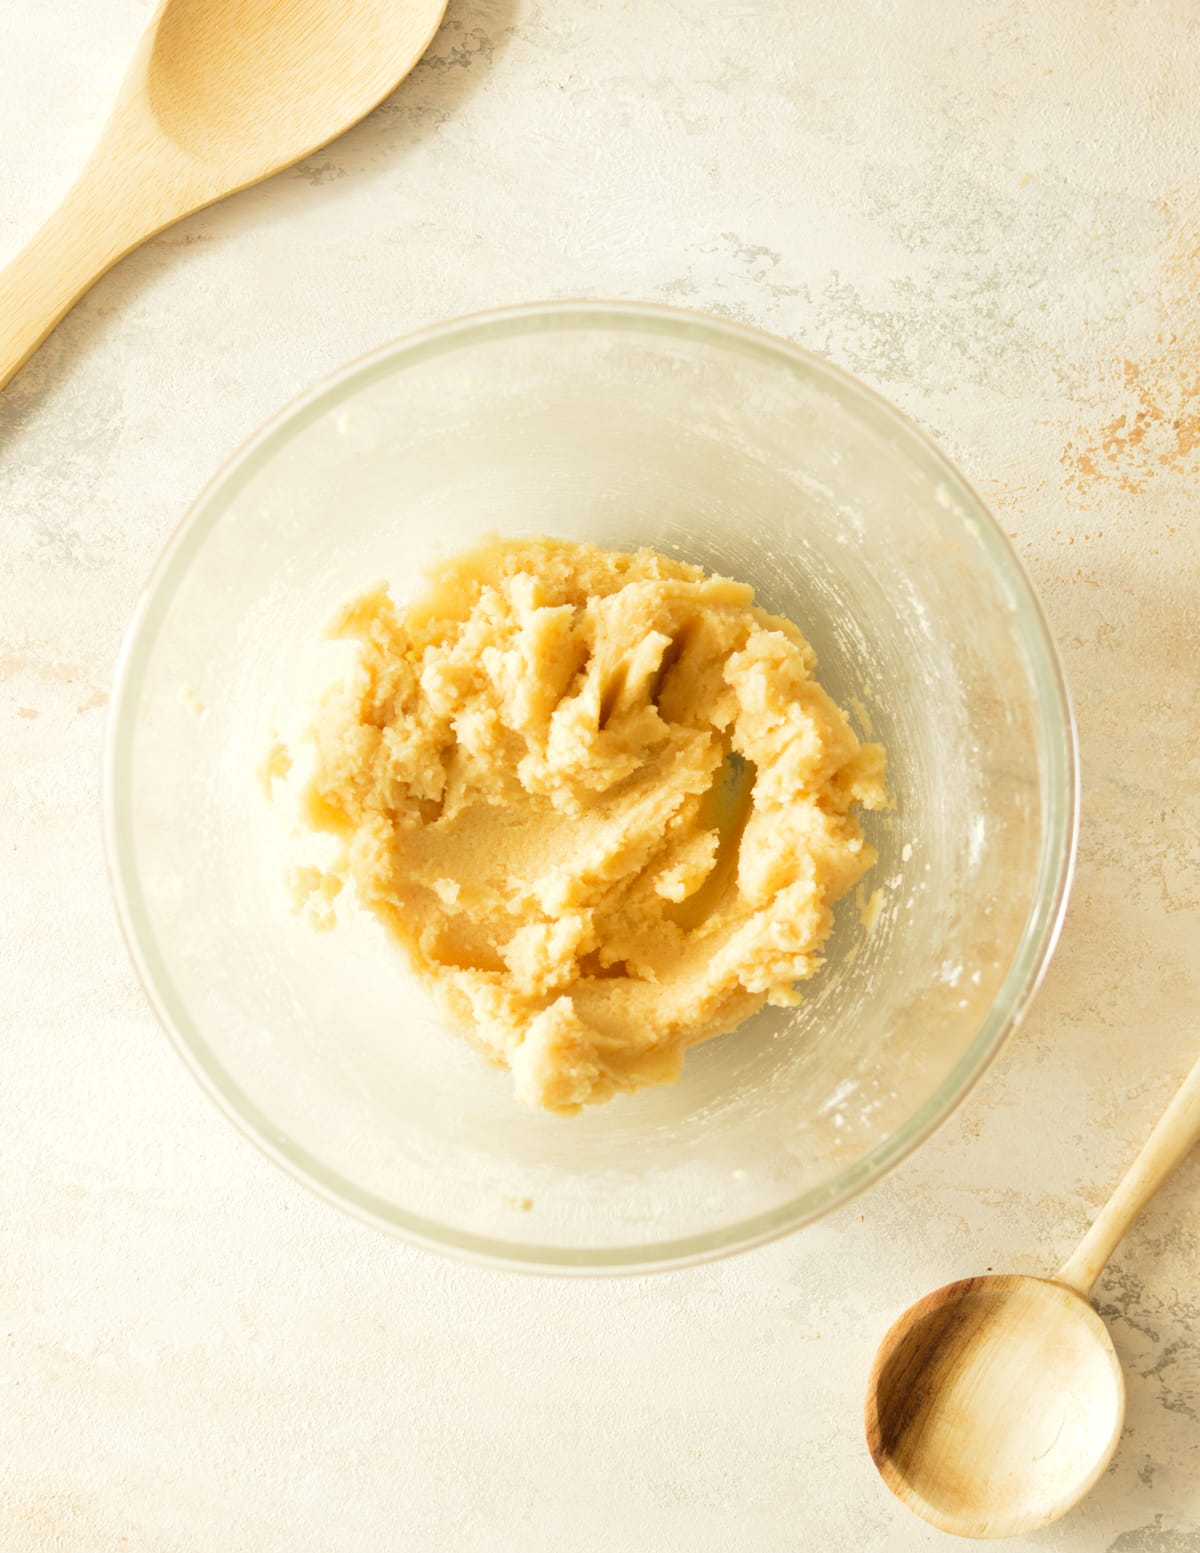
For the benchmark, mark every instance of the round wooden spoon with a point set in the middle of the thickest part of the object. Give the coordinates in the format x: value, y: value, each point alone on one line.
x: 995, y: 1404
x: 220, y: 94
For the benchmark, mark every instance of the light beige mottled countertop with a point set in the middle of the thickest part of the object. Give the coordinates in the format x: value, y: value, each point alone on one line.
x: 991, y: 211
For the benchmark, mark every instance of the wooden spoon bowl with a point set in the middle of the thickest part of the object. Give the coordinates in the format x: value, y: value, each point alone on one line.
x: 995, y: 1404
x: 219, y: 94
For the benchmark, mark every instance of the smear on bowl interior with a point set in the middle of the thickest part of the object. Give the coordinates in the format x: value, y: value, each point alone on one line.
x: 597, y: 797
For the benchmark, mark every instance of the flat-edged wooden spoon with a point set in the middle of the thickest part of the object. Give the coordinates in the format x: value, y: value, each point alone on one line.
x: 220, y: 94
x: 995, y: 1403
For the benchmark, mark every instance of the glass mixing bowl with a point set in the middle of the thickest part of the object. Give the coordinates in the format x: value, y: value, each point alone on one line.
x: 623, y: 426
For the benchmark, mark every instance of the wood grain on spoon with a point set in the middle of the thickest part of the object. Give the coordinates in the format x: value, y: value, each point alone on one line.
x: 996, y: 1403
x: 220, y: 94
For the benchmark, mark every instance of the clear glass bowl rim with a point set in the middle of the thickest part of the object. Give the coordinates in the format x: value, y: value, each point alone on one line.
x: 1058, y: 732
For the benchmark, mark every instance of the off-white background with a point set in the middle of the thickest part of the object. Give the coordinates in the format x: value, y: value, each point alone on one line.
x: 990, y: 210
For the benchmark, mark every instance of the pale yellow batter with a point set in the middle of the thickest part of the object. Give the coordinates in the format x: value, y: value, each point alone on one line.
x: 598, y: 798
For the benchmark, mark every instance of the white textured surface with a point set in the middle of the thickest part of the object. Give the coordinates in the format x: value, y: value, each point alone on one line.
x: 989, y: 211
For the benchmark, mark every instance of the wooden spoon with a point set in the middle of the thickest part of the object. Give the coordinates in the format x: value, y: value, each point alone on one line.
x: 995, y: 1404
x: 220, y: 94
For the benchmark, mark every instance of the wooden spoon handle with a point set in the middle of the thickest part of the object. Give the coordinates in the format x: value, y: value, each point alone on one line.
x: 1178, y: 1130
x: 92, y: 228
